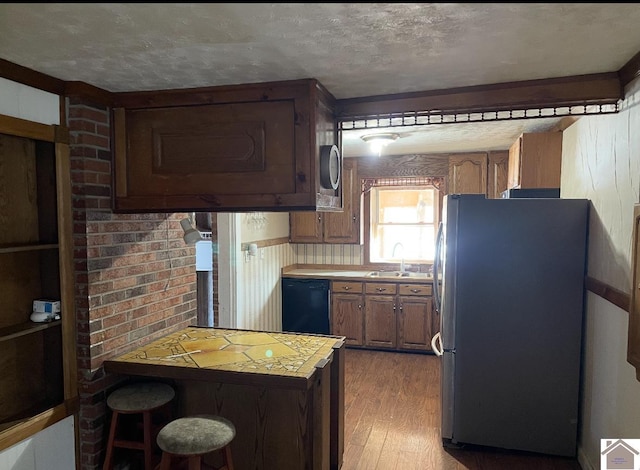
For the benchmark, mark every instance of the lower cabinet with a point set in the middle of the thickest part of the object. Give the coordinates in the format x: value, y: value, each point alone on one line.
x: 384, y: 315
x: 347, y: 311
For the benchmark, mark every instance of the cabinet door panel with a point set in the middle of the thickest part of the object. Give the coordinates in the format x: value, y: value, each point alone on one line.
x: 344, y: 227
x: 414, y: 323
x: 380, y: 321
x: 497, y: 174
x: 347, y: 317
x: 216, y: 146
x: 305, y: 227
x: 468, y: 173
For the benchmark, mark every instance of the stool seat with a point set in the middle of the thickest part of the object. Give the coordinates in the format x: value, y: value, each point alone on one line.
x: 149, y: 400
x: 191, y: 438
x: 196, y: 435
x: 135, y: 398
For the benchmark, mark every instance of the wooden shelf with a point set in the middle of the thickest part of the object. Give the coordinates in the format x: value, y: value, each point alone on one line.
x: 33, y: 247
x: 14, y: 331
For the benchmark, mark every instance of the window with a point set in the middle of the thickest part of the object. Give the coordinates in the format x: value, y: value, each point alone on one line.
x: 403, y: 223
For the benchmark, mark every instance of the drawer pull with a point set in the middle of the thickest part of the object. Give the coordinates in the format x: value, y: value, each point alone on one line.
x: 346, y: 287
x: 415, y: 291
x: 380, y: 289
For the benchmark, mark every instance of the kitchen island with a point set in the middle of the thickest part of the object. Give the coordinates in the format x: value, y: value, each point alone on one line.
x: 284, y: 392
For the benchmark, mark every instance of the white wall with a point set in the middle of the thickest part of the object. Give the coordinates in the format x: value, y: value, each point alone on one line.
x: 250, y: 295
x: 601, y: 162
x: 257, y: 226
x: 25, y: 102
x: 53, y: 448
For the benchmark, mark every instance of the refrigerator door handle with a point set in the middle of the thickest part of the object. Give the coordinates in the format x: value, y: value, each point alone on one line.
x: 434, y: 344
x: 436, y: 270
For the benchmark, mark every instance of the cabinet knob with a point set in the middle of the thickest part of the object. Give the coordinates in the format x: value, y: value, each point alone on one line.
x: 394, y: 307
x: 380, y: 289
x: 354, y: 218
x: 319, y: 218
x: 360, y: 306
x: 346, y: 287
x: 415, y: 291
x: 400, y: 306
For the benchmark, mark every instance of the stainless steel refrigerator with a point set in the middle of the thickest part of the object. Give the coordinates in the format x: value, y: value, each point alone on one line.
x: 511, y: 301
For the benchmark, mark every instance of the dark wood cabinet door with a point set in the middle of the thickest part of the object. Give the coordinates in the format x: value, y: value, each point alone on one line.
x: 344, y: 227
x: 347, y: 317
x: 414, y: 323
x: 380, y: 321
x: 305, y: 227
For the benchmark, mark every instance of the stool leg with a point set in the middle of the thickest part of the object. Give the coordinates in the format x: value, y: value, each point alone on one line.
x: 108, y: 460
x: 194, y: 462
x: 148, y: 445
x: 226, y: 456
x: 165, y: 463
x: 228, y: 461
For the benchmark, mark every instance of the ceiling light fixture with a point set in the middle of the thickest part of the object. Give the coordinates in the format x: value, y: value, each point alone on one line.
x: 378, y: 141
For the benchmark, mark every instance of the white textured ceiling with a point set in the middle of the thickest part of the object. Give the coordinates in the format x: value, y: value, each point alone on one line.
x: 353, y: 49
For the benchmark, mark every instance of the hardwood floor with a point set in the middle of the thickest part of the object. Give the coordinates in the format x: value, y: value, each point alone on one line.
x: 392, y: 420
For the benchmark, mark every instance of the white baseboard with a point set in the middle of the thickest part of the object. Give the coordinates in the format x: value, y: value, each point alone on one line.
x: 584, y: 461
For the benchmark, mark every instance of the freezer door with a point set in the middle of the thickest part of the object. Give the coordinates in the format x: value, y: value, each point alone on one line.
x: 446, y: 393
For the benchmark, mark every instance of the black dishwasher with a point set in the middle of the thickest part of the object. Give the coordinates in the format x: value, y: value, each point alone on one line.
x: 305, y: 305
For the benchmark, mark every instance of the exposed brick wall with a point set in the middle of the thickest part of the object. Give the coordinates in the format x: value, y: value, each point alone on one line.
x: 135, y: 277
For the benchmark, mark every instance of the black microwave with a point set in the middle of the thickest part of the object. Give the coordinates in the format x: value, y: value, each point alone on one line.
x: 531, y: 193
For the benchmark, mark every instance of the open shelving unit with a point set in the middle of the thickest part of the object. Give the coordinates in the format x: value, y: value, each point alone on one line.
x: 38, y: 374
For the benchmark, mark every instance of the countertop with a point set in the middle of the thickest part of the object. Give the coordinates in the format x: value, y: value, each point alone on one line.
x: 348, y: 273
x: 224, y: 355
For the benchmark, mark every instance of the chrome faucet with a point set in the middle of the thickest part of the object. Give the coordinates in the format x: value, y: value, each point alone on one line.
x: 393, y: 254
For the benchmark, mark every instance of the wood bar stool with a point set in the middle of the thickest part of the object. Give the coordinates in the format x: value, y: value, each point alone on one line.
x: 192, y: 437
x: 144, y: 398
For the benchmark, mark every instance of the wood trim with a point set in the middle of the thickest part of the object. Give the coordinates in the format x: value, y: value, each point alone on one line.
x: 266, y: 91
x: 33, y: 425
x: 67, y: 282
x: 633, y: 343
x: 87, y: 92
x: 629, y: 71
x: 603, y: 88
x: 609, y: 293
x: 265, y: 243
x: 29, y: 77
x: 403, y: 166
x: 29, y: 129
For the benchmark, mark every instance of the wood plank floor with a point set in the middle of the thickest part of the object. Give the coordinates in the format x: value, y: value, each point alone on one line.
x: 392, y: 420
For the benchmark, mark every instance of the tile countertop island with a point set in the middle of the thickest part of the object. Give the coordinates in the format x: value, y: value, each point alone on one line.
x: 284, y: 392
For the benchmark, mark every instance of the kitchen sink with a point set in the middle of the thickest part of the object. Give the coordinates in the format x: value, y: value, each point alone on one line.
x: 398, y: 274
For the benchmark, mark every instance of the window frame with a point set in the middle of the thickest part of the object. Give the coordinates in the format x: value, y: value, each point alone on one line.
x: 368, y: 220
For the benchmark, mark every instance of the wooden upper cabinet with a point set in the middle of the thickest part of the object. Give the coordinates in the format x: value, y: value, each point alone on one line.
x: 238, y: 147
x: 468, y: 173
x: 535, y: 160
x: 497, y: 173
x: 332, y: 227
x: 305, y: 227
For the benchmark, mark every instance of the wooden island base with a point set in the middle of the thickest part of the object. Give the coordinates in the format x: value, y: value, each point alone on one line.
x: 284, y: 392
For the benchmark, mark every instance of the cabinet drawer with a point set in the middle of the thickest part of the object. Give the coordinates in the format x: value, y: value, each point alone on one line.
x: 380, y: 288
x: 416, y: 289
x: 350, y: 287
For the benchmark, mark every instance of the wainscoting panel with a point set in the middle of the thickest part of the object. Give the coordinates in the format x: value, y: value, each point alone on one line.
x: 259, y: 288
x: 310, y: 253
